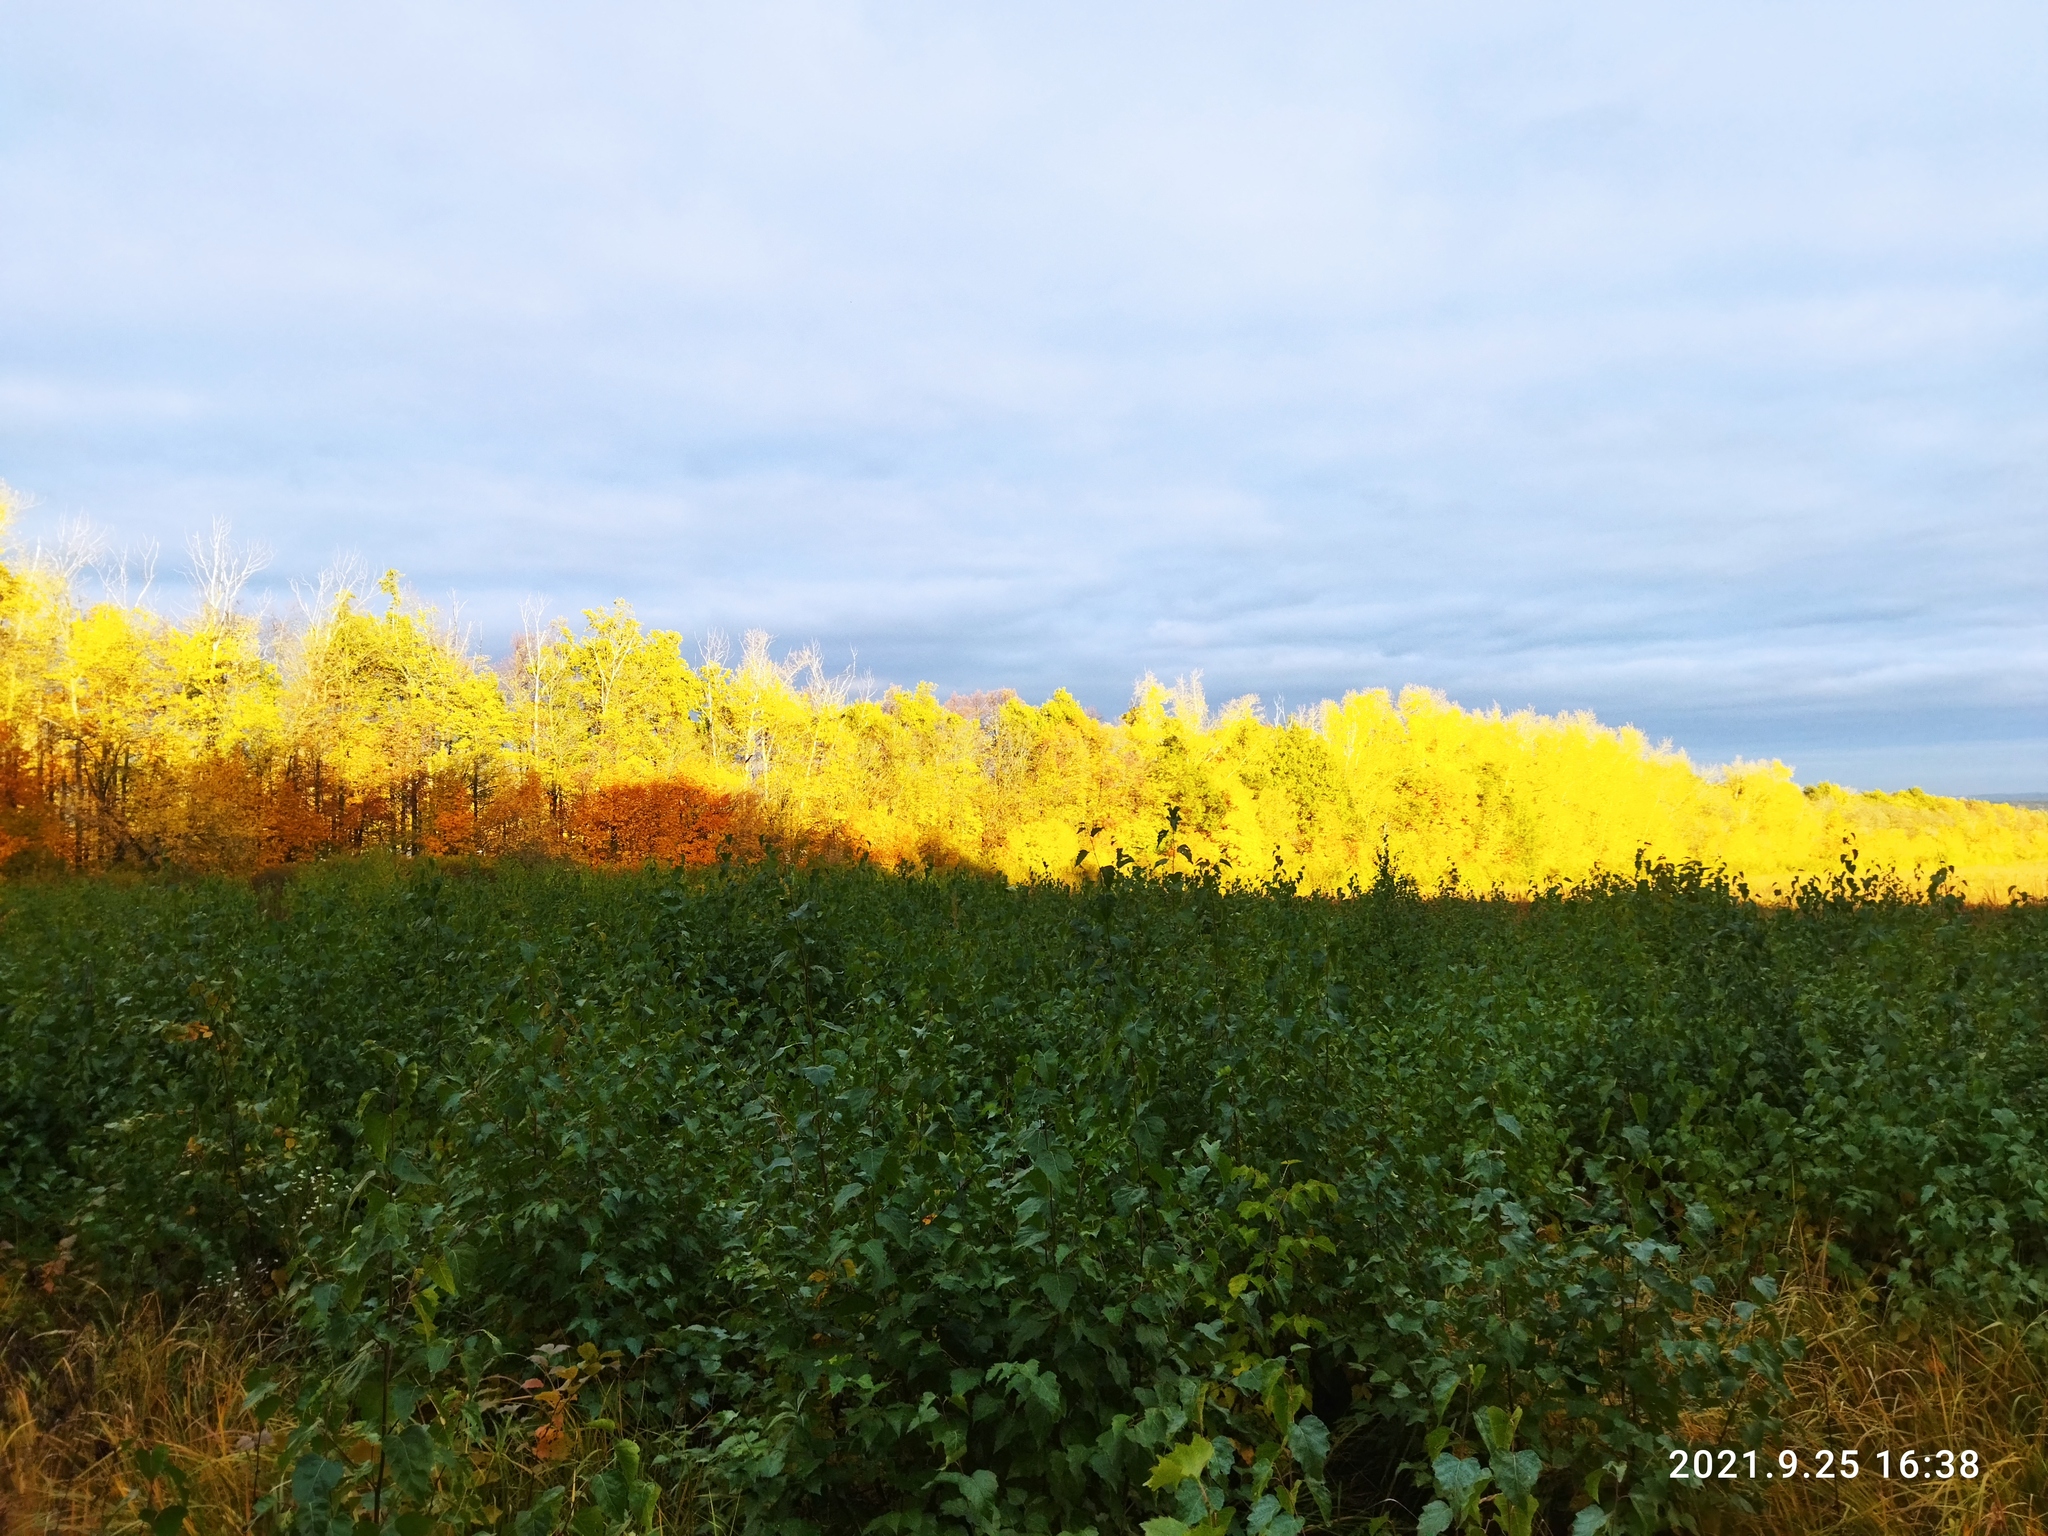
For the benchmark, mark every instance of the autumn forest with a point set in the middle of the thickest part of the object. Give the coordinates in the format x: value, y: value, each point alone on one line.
x: 229, y: 741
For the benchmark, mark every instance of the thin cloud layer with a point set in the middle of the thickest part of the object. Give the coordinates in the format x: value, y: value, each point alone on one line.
x: 1685, y: 369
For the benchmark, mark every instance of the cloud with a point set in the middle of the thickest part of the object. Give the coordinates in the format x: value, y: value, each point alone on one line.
x: 1686, y: 368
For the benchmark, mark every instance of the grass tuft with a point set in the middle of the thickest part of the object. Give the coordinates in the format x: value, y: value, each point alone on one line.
x: 82, y: 1387
x: 1911, y: 1383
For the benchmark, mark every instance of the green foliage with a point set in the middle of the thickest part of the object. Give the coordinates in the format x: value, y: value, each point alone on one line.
x: 931, y: 1204
x: 154, y: 1471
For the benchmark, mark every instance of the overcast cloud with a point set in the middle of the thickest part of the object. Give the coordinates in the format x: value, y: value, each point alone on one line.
x: 1688, y: 366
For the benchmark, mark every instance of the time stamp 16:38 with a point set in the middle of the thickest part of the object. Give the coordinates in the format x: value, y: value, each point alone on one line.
x: 1703, y: 1465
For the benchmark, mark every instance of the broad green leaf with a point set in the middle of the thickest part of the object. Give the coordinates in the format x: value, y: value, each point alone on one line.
x: 1309, y: 1440
x: 541, y: 1518
x: 263, y: 1397
x: 1184, y: 1461
x: 1515, y: 1474
x: 314, y: 1479
x: 1459, y: 1479
x: 1059, y: 1290
x: 409, y: 1455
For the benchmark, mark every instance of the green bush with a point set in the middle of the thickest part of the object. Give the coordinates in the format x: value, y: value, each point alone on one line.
x: 932, y: 1204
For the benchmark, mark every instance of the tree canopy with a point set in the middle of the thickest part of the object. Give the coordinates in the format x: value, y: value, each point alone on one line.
x: 225, y: 742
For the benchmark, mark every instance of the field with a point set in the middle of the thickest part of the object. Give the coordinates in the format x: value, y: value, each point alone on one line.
x: 521, y: 1197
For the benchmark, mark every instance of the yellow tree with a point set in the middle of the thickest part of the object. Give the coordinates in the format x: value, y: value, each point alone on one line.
x: 622, y: 700
x: 225, y: 698
x: 1067, y: 785
x: 34, y: 614
x: 388, y: 710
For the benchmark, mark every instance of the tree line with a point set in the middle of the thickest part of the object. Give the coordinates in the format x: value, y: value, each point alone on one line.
x: 224, y: 741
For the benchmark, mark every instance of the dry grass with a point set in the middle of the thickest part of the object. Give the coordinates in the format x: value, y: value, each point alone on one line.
x: 1895, y: 1386
x: 80, y: 1395
x: 77, y: 1395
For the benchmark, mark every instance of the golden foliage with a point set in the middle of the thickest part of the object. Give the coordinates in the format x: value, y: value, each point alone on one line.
x: 129, y: 740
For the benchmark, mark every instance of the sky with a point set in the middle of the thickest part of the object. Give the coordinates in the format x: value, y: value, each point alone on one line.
x: 1688, y: 365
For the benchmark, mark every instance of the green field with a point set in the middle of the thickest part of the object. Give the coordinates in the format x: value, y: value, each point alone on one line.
x: 858, y: 1201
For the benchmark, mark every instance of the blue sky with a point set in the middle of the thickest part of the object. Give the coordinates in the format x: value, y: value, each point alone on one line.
x: 1689, y: 365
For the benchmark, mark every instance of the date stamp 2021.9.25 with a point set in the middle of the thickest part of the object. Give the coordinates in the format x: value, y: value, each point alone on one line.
x: 1701, y: 1464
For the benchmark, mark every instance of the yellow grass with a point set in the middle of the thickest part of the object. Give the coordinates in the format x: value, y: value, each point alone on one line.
x: 80, y: 1393
x: 1897, y: 1385
x: 77, y: 1394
